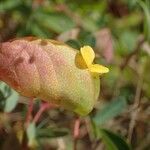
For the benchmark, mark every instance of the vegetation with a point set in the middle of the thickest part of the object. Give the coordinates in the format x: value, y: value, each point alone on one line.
x: 119, y: 33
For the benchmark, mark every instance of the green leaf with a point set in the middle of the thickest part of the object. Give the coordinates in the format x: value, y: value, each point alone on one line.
x: 74, y: 43
x: 57, y: 22
x: 51, y: 133
x: 38, y: 31
x: 127, y: 42
x: 9, y: 96
x: 9, y: 4
x: 3, y: 86
x: 113, y: 141
x: 11, y: 101
x: 87, y: 38
x: 111, y: 110
x: 31, y: 134
x: 90, y: 24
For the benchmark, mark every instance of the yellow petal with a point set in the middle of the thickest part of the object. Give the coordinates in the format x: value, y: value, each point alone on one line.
x: 96, y: 68
x: 87, y: 54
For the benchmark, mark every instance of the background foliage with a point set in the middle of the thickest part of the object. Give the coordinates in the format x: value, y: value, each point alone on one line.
x: 119, y: 31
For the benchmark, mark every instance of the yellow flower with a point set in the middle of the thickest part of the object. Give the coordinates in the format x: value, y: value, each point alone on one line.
x: 88, y: 56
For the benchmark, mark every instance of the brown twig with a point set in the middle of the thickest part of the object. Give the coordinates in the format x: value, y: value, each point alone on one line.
x: 136, y: 104
x: 125, y: 62
x: 144, y: 144
x: 135, y: 51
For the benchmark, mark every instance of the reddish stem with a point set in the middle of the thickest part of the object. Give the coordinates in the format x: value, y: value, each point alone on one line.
x: 43, y: 107
x: 76, y: 128
x: 76, y: 132
x: 29, y: 112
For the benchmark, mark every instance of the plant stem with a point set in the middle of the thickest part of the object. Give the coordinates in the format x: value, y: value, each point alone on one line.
x: 43, y: 107
x: 76, y: 132
x: 29, y: 112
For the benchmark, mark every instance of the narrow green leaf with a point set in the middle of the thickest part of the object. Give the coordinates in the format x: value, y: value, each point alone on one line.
x: 146, y: 9
x: 31, y: 134
x: 51, y: 133
x: 111, y: 110
x: 113, y: 141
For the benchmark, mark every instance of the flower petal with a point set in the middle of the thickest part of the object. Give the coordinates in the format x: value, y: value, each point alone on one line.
x: 87, y: 54
x: 96, y: 68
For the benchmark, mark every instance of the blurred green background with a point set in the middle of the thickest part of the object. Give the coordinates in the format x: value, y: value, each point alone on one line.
x: 119, y: 32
